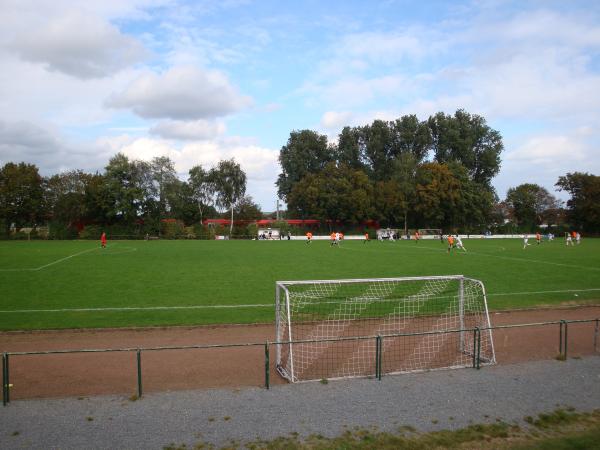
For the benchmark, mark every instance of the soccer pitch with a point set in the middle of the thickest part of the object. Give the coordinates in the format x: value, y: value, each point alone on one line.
x: 76, y: 284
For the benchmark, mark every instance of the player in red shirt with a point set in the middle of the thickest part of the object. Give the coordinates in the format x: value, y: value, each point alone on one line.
x: 308, y: 237
x: 103, y: 240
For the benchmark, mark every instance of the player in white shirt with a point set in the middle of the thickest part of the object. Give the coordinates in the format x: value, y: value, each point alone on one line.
x: 525, y: 241
x: 569, y: 240
x: 578, y: 238
x: 459, y: 243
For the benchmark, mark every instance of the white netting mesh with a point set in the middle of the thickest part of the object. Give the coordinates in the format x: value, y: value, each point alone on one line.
x: 331, y: 310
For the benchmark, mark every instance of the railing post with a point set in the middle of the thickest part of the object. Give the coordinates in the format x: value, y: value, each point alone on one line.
x: 478, y: 348
x: 560, y: 338
x: 566, y: 338
x: 139, y: 373
x: 267, y: 364
x: 475, y: 348
x: 596, y: 329
x: 380, y: 357
x: 7, y: 358
x: 4, y: 384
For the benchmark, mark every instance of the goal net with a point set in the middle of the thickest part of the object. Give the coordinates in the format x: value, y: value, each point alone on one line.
x: 425, y: 322
x: 430, y: 232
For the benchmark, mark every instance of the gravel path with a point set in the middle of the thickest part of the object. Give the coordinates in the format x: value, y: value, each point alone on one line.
x: 427, y: 401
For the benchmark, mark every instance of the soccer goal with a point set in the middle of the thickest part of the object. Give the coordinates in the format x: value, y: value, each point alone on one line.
x: 434, y: 316
x: 430, y: 232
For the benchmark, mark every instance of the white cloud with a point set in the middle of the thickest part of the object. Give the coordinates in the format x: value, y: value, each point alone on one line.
x: 188, y: 130
x: 336, y: 119
x: 181, y: 93
x: 550, y: 151
x: 46, y: 148
x: 78, y: 45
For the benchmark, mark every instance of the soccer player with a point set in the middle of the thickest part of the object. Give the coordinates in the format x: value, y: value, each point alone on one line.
x: 450, y: 242
x: 417, y: 235
x: 103, y: 240
x: 459, y: 243
x: 366, y: 237
x: 578, y: 238
x: 308, y: 237
x: 538, y: 238
x: 525, y: 241
x: 569, y: 240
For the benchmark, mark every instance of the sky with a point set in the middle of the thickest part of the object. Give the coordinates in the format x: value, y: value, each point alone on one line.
x: 200, y: 81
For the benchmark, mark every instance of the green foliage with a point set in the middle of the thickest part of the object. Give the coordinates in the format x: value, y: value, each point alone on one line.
x: 528, y: 203
x: 584, y: 204
x: 306, y: 152
x: 172, y: 229
x: 21, y: 195
x: 61, y: 231
x: 91, y: 232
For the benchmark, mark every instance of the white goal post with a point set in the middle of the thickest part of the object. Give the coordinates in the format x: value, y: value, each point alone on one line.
x: 430, y: 232
x: 323, y: 326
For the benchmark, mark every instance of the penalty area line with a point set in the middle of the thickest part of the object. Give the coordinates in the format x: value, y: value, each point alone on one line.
x: 133, y: 308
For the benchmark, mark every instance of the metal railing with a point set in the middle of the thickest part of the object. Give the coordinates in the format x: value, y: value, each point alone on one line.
x: 476, y: 363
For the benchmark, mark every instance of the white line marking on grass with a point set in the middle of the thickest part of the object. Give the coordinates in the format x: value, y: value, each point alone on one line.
x: 259, y: 305
x: 140, y: 308
x: 52, y: 263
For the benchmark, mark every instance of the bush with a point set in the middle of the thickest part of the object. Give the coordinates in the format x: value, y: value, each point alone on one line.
x: 172, y: 230
x: 61, y: 231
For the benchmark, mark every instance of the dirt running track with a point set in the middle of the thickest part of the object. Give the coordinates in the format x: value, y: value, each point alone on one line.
x: 86, y: 374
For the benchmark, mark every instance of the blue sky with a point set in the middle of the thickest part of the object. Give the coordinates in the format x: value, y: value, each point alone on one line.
x: 200, y: 81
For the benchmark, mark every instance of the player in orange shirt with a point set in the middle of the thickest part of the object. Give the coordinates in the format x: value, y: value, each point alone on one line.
x: 417, y: 237
x: 308, y: 237
x: 450, y: 242
x: 538, y: 238
x: 103, y: 240
x: 366, y: 237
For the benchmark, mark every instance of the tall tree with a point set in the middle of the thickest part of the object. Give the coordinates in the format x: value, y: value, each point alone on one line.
x: 65, y: 196
x: 336, y: 193
x: 467, y: 139
x: 124, y: 189
x: 203, y: 189
x: 584, y: 204
x: 21, y: 195
x: 437, y: 194
x: 165, y: 183
x: 230, y: 185
x: 306, y: 152
x: 411, y: 137
x: 528, y: 203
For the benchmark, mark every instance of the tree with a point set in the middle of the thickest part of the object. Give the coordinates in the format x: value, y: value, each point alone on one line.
x: 21, y: 195
x: 584, y: 205
x: 336, y: 193
x: 230, y: 185
x: 528, y: 203
x: 65, y: 196
x: 246, y: 209
x: 306, y: 152
x: 469, y: 140
x: 411, y: 137
x: 203, y: 189
x: 437, y: 195
x: 165, y: 183
x: 123, y: 188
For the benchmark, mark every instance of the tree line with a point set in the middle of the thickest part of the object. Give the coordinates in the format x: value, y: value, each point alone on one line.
x: 405, y: 173
x: 129, y: 197
x: 435, y: 173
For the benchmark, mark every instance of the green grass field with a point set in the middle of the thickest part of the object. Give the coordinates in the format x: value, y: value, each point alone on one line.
x: 74, y: 284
